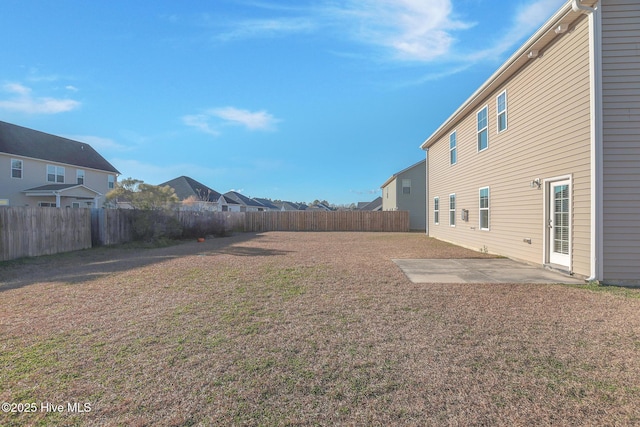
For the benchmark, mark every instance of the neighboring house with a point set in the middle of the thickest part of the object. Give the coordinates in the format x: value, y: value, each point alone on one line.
x: 268, y: 204
x: 246, y: 204
x: 374, y: 205
x: 291, y: 206
x: 319, y: 207
x: 406, y: 191
x: 196, y: 196
x: 39, y: 169
x: 542, y: 162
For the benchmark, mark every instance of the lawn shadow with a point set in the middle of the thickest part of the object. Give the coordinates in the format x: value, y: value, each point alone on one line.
x: 86, y: 265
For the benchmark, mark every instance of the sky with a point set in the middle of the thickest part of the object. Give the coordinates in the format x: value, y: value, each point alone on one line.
x: 285, y: 99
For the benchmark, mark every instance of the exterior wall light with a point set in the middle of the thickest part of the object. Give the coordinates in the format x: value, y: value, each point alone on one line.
x: 536, y: 183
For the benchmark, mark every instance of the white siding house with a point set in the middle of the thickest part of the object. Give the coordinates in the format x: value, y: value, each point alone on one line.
x: 38, y: 169
x: 542, y: 162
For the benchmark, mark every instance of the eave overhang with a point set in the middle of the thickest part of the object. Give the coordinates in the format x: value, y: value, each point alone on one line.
x: 556, y: 26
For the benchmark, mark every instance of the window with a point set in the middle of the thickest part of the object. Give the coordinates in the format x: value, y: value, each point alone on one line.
x: 452, y: 210
x: 502, y: 111
x: 484, y: 208
x: 436, y: 210
x: 453, y: 149
x: 46, y: 205
x: 16, y: 168
x: 406, y: 186
x: 483, y: 129
x: 55, y: 174
x: 80, y: 176
x: 111, y: 180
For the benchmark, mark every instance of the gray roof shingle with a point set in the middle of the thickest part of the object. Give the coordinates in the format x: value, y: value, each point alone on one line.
x: 21, y: 141
x: 185, y: 187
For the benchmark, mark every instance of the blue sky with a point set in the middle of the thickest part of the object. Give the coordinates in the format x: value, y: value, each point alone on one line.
x: 291, y: 100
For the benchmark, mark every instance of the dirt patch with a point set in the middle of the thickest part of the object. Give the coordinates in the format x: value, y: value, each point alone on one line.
x: 307, y: 329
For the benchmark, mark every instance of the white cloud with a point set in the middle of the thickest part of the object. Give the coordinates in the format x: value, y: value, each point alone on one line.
x: 200, y: 122
x: 412, y: 29
x: 71, y: 88
x: 259, y: 120
x: 267, y: 28
x: 209, y: 121
x: 24, y: 102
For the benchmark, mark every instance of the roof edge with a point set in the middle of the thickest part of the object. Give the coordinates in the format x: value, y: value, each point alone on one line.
x: 508, y: 68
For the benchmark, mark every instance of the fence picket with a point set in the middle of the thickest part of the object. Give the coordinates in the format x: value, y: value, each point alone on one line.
x: 34, y: 231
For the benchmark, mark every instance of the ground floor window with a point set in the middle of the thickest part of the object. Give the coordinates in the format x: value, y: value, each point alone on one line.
x: 46, y: 205
x: 436, y: 210
x: 452, y: 210
x: 484, y: 208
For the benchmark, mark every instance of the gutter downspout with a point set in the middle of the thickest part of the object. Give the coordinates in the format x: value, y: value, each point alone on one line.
x: 595, y: 72
x: 426, y: 216
x: 577, y: 6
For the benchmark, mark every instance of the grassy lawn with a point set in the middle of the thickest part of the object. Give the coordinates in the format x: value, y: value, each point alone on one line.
x: 306, y: 329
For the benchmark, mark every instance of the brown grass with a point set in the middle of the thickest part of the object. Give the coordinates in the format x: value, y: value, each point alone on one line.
x: 307, y: 329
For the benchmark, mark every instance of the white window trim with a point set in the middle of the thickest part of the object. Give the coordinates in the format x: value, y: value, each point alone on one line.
x: 21, y: 168
x: 506, y: 114
x: 109, y: 186
x: 84, y: 176
x: 55, y: 174
x: 453, y: 210
x: 436, y: 211
x: 488, y: 209
x: 478, y: 131
x: 454, y: 133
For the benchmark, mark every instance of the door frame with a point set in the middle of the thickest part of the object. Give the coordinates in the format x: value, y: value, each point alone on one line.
x: 548, y: 204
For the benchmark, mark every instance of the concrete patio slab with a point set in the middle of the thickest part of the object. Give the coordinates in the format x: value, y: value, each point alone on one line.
x: 492, y: 270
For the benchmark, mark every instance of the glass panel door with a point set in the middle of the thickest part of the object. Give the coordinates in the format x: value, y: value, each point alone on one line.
x: 559, y: 223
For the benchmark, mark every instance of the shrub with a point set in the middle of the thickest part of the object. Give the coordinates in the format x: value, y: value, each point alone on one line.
x: 153, y: 225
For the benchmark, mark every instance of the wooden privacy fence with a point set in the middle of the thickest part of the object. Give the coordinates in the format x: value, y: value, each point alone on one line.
x: 394, y: 221
x: 35, y: 231
x: 116, y: 226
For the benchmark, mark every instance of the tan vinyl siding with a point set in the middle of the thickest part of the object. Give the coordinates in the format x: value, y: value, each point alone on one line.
x: 621, y: 140
x: 389, y: 196
x: 548, y: 136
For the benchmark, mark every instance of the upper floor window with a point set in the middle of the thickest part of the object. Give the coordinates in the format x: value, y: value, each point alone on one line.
x: 501, y: 102
x: 483, y: 129
x: 452, y: 210
x: 111, y: 182
x: 55, y: 174
x: 406, y: 186
x: 436, y: 210
x: 16, y: 168
x: 80, y: 176
x: 453, y: 149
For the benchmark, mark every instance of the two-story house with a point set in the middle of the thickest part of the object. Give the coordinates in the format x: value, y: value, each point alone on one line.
x: 39, y: 169
x: 542, y: 162
x: 406, y: 191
